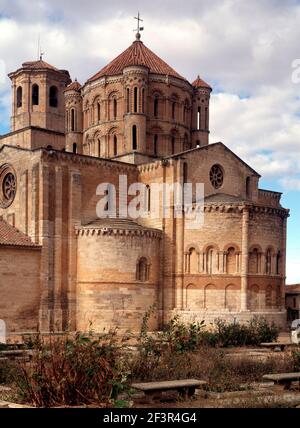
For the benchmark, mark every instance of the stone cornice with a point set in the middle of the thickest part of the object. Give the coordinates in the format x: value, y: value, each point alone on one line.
x: 239, y: 207
x: 55, y: 155
x: 107, y: 231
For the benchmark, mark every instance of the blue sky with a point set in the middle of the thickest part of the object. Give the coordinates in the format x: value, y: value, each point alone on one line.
x: 244, y: 49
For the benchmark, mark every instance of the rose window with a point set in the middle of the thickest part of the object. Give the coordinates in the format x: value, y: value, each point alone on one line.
x: 216, y: 176
x: 9, y: 186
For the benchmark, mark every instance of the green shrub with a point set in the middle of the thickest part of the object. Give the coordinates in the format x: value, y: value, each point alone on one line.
x: 257, y: 331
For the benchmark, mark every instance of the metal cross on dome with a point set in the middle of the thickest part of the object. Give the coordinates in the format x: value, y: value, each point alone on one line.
x: 139, y: 28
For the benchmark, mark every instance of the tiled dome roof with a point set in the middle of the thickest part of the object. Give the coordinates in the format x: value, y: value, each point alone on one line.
x: 74, y: 86
x: 38, y: 65
x: 199, y: 83
x: 137, y: 54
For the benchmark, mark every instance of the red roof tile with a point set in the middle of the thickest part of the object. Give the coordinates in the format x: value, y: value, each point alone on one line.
x: 137, y: 54
x: 38, y: 65
x: 199, y: 83
x: 11, y: 236
x: 74, y: 86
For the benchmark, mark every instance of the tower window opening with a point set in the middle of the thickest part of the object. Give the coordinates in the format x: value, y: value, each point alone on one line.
x: 173, y: 110
x: 185, y: 173
x: 98, y: 111
x: 53, y: 96
x: 199, y: 119
x: 143, y: 100
x: 115, y: 145
x: 155, y: 145
x: 173, y: 145
x: 73, y: 120
x: 248, y: 187
x: 156, y: 106
x: 206, y: 119
x: 19, y: 97
x: 99, y: 148
x: 35, y: 95
x: 135, y: 100
x: 134, y: 137
x: 148, y: 199
x: 128, y: 100
x: 115, y: 108
x: 74, y: 148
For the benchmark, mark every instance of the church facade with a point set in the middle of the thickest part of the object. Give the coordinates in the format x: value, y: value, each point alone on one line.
x: 64, y: 268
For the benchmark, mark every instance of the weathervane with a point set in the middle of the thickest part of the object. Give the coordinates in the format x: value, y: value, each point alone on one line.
x: 40, y: 53
x: 139, y: 28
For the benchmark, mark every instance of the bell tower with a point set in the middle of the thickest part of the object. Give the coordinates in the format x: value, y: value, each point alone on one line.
x: 38, y: 96
x: 200, y: 120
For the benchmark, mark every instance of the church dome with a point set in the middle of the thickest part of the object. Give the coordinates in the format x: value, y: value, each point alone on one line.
x: 199, y: 83
x: 74, y: 86
x: 137, y: 54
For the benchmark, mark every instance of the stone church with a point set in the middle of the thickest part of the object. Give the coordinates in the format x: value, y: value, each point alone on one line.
x: 63, y: 268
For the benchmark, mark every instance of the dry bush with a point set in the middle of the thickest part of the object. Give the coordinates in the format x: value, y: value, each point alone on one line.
x: 70, y: 371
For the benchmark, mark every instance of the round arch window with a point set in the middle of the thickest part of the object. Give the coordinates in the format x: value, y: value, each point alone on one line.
x: 216, y: 176
x: 8, y: 186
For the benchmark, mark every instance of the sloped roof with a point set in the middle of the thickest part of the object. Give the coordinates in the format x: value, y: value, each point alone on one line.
x: 137, y: 54
x: 199, y: 83
x: 38, y: 65
x: 74, y: 86
x: 11, y: 236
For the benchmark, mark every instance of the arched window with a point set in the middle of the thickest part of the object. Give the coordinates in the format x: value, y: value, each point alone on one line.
x: 173, y: 110
x: 206, y: 118
x: 269, y: 262
x: 19, y: 97
x: 278, y: 263
x: 135, y: 100
x: 98, y: 111
x: 248, y: 187
x: 148, y: 199
x: 185, y: 173
x: 155, y: 107
x: 35, y: 95
x: 115, y: 108
x: 115, y: 145
x: 155, y: 143
x: 254, y: 261
x: 173, y: 145
x: 142, y: 270
x: 128, y: 100
x: 198, y: 144
x: 99, y: 147
x: 53, y: 96
x: 199, y: 119
x: 74, y: 148
x: 134, y: 137
x: 211, y: 261
x: 73, y: 126
x: 143, y: 100
x: 231, y: 261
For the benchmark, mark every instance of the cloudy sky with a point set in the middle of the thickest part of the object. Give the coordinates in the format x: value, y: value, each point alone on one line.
x: 245, y: 49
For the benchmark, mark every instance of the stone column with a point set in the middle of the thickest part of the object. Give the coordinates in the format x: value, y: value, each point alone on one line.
x: 44, y: 313
x: 57, y: 315
x: 245, y: 258
x: 74, y: 214
x: 283, y: 263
